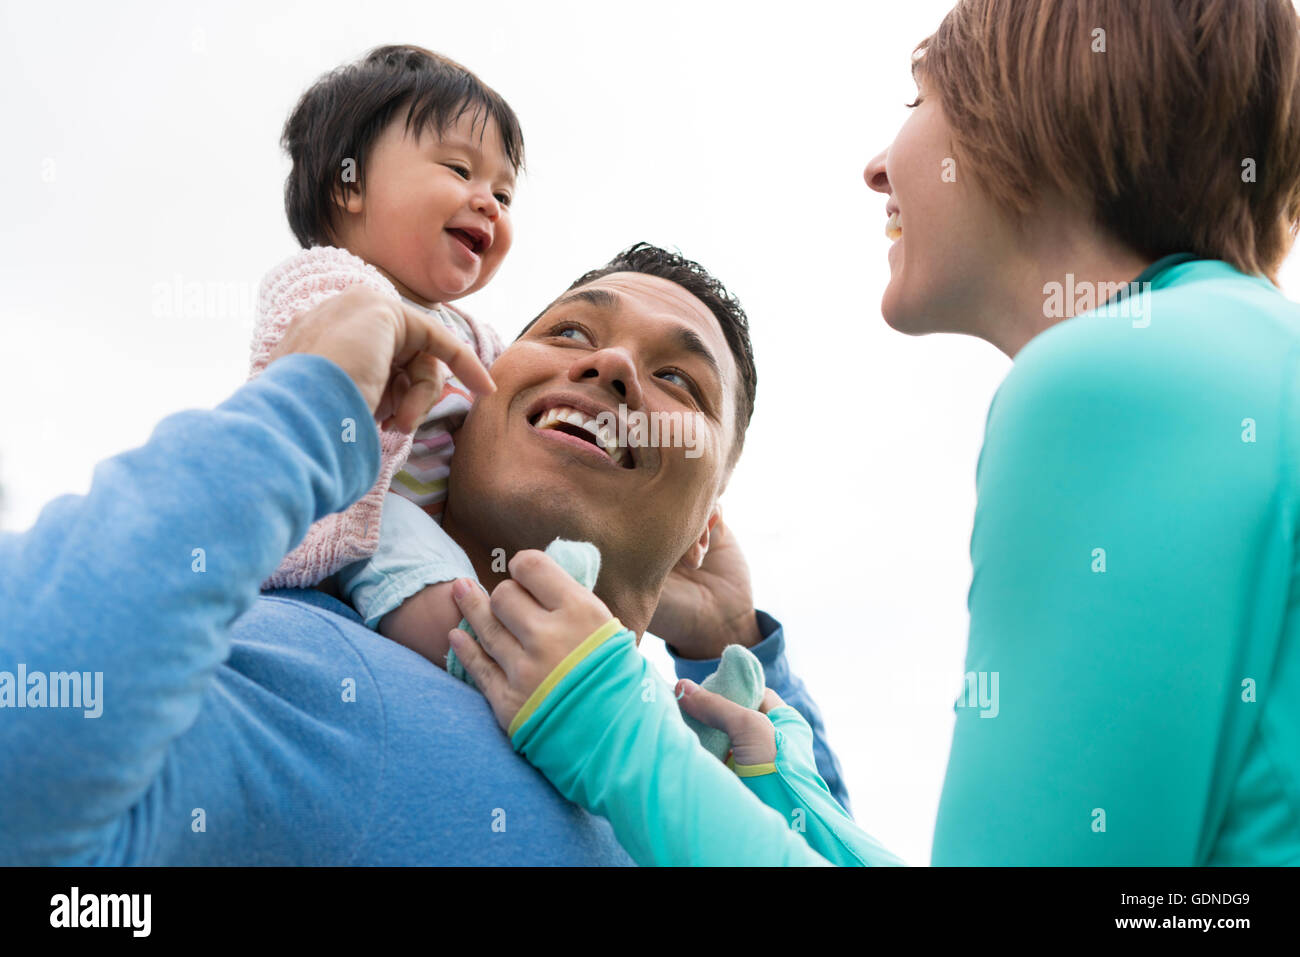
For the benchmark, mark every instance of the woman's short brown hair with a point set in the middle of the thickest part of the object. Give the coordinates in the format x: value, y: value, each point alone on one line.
x: 1177, y: 122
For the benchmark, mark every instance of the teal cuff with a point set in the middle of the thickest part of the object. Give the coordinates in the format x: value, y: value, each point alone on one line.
x: 791, y: 785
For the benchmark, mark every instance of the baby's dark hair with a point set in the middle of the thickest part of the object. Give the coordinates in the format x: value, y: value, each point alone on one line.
x: 332, y: 129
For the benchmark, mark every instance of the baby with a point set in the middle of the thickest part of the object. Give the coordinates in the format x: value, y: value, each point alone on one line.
x: 404, y: 168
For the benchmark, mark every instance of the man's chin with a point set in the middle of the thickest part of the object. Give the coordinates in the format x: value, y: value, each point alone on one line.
x: 538, y: 516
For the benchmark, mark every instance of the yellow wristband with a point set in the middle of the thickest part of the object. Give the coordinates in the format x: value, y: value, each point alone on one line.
x: 593, y: 641
x: 751, y: 770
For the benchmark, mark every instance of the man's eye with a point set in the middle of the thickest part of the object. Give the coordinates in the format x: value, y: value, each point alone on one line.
x: 559, y: 332
x: 682, y: 382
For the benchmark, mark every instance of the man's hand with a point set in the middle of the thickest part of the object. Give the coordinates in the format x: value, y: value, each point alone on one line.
x: 702, y: 610
x: 389, y: 349
x: 531, y: 623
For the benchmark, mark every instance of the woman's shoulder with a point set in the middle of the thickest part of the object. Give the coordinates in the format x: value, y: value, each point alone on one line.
x: 1205, y: 382
x: 1204, y: 330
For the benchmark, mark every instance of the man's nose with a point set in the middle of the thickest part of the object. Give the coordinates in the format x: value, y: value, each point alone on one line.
x: 875, y: 175
x: 613, y: 369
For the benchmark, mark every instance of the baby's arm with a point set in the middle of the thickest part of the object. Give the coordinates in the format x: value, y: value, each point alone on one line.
x: 404, y: 589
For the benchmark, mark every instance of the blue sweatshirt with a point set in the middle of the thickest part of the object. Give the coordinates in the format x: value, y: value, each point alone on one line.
x: 238, y: 729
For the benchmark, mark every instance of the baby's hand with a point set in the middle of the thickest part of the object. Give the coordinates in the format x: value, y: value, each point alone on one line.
x: 753, y: 738
x: 422, y: 621
x: 530, y: 624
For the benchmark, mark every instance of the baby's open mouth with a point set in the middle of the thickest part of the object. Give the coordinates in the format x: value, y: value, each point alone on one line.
x: 474, y: 242
x: 570, y: 421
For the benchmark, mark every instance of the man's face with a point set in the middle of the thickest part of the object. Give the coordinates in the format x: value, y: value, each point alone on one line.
x: 627, y: 347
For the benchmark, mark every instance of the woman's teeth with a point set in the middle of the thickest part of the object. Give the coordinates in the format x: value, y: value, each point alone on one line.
x: 894, y: 227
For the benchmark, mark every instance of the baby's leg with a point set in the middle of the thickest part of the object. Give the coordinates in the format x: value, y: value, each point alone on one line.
x: 422, y: 621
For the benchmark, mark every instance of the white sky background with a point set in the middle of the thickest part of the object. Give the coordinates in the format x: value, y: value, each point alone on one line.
x: 141, y: 148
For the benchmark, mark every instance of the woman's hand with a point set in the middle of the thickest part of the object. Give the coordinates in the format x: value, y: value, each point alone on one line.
x: 389, y: 349
x: 753, y: 738
x: 702, y: 610
x: 530, y: 624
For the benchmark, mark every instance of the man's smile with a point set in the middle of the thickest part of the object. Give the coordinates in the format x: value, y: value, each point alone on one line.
x: 571, y: 418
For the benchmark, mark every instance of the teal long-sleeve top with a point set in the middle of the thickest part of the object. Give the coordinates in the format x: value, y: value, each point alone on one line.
x: 1132, y: 684
x: 1135, y: 589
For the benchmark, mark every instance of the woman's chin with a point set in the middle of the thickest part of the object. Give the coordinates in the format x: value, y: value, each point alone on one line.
x: 895, y: 316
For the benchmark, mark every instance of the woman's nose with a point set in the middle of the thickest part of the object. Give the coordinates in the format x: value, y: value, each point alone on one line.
x: 874, y: 174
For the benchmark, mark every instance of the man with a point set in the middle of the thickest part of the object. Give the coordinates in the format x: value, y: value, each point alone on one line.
x: 234, y: 729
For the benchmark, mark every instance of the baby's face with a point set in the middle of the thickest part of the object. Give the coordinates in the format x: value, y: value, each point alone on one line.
x: 434, y: 214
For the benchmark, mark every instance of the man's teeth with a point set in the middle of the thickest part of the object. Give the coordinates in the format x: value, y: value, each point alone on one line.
x: 604, y: 438
x: 894, y: 227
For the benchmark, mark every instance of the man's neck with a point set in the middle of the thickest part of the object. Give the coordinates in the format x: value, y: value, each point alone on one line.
x: 630, y: 602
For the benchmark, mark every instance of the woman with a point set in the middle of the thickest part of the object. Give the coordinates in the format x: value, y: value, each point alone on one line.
x: 1133, y: 614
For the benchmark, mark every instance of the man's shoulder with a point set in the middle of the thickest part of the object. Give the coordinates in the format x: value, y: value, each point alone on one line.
x: 434, y: 778
x: 311, y: 651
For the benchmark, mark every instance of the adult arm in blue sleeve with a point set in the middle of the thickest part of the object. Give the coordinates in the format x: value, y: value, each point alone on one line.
x: 142, y: 578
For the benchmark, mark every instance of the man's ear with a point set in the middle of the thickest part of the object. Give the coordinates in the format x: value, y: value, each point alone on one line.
x: 694, y: 556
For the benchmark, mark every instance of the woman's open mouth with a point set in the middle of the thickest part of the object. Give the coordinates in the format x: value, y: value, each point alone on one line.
x: 894, y: 227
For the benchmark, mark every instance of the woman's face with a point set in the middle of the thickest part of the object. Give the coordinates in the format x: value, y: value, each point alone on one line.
x: 943, y: 262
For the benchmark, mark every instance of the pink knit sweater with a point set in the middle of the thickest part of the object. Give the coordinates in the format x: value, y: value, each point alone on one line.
x: 300, y: 282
